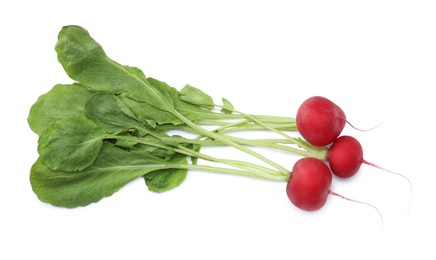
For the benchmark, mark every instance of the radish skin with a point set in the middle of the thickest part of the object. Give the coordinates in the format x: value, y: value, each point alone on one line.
x: 320, y: 121
x: 345, y: 156
x: 309, y: 184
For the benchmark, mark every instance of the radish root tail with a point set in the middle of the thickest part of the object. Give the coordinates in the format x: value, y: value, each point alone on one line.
x: 369, y: 129
x: 363, y: 203
x: 398, y: 174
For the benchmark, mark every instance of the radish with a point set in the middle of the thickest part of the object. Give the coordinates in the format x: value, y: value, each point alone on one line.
x: 320, y: 121
x: 345, y: 156
x: 309, y: 184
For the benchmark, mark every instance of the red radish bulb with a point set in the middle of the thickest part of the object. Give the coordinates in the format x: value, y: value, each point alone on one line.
x: 309, y: 184
x: 345, y: 156
x: 320, y: 121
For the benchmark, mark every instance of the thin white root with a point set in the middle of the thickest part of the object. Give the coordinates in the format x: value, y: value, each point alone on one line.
x: 398, y: 174
x: 363, y: 203
x: 369, y: 129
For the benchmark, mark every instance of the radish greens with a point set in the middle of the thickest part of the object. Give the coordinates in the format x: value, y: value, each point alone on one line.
x: 113, y: 126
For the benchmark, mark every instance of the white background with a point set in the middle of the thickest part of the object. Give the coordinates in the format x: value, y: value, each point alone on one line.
x: 376, y: 59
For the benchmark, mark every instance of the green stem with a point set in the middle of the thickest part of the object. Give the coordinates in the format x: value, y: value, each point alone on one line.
x: 224, y: 170
x: 248, y: 127
x: 168, y: 107
x: 268, y: 143
x: 229, y: 142
x: 319, y: 154
x: 296, y: 141
x: 260, y: 170
x: 208, y: 168
x: 257, y: 170
x: 226, y: 127
x: 245, y: 124
x: 215, y: 118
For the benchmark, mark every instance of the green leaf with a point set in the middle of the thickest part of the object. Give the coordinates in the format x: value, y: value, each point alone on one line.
x: 85, y: 61
x: 149, y: 114
x: 153, y: 150
x: 167, y: 179
x: 126, y: 142
x: 190, y: 111
x: 152, y: 115
x: 196, y: 97
x: 113, y: 168
x: 227, y: 107
x: 111, y: 114
x: 60, y: 102
x: 71, y: 144
x: 197, y: 148
x: 152, y: 101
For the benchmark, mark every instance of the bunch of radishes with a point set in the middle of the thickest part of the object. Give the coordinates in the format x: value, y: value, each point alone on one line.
x: 124, y: 115
x: 320, y: 122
